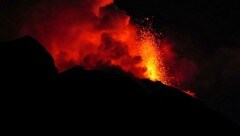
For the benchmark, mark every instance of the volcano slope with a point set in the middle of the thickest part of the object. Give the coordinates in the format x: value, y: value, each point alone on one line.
x: 36, y: 97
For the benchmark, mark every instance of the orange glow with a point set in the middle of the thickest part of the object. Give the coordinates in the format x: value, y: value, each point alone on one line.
x: 190, y: 93
x: 150, y: 60
x: 150, y: 52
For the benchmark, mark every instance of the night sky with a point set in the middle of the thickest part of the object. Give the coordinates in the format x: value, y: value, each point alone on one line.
x: 205, y: 32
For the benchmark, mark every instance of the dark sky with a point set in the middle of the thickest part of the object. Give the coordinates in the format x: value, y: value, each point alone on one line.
x: 206, y: 32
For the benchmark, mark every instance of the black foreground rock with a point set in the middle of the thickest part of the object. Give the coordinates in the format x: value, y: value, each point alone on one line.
x: 35, y: 98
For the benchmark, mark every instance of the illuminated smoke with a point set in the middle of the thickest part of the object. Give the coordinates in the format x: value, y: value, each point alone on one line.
x: 95, y: 33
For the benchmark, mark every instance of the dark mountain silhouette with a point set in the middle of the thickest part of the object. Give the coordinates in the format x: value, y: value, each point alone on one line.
x: 35, y: 97
x: 25, y: 59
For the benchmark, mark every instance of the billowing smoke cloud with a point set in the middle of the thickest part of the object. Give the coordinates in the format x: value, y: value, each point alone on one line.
x: 95, y: 33
x: 90, y: 33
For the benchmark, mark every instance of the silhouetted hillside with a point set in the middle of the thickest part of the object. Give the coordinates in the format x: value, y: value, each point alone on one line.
x: 36, y: 98
x: 25, y: 59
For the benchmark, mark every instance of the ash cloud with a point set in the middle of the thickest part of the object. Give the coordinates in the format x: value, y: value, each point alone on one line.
x: 90, y: 33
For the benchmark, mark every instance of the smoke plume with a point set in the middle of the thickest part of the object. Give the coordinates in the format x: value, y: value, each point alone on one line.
x: 95, y: 33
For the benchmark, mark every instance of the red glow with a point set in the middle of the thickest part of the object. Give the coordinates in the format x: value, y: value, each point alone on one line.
x: 190, y: 93
x: 94, y: 33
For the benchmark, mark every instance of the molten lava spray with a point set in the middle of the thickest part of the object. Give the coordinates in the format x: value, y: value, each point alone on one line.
x: 152, y: 59
x: 93, y: 33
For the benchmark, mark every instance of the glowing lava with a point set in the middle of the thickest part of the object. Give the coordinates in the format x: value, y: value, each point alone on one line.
x: 190, y: 93
x: 152, y: 59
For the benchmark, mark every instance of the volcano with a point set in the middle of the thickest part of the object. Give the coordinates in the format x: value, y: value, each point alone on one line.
x: 36, y: 97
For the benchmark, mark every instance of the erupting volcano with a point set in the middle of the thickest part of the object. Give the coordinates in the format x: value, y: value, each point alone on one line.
x: 122, y: 65
x: 97, y: 33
